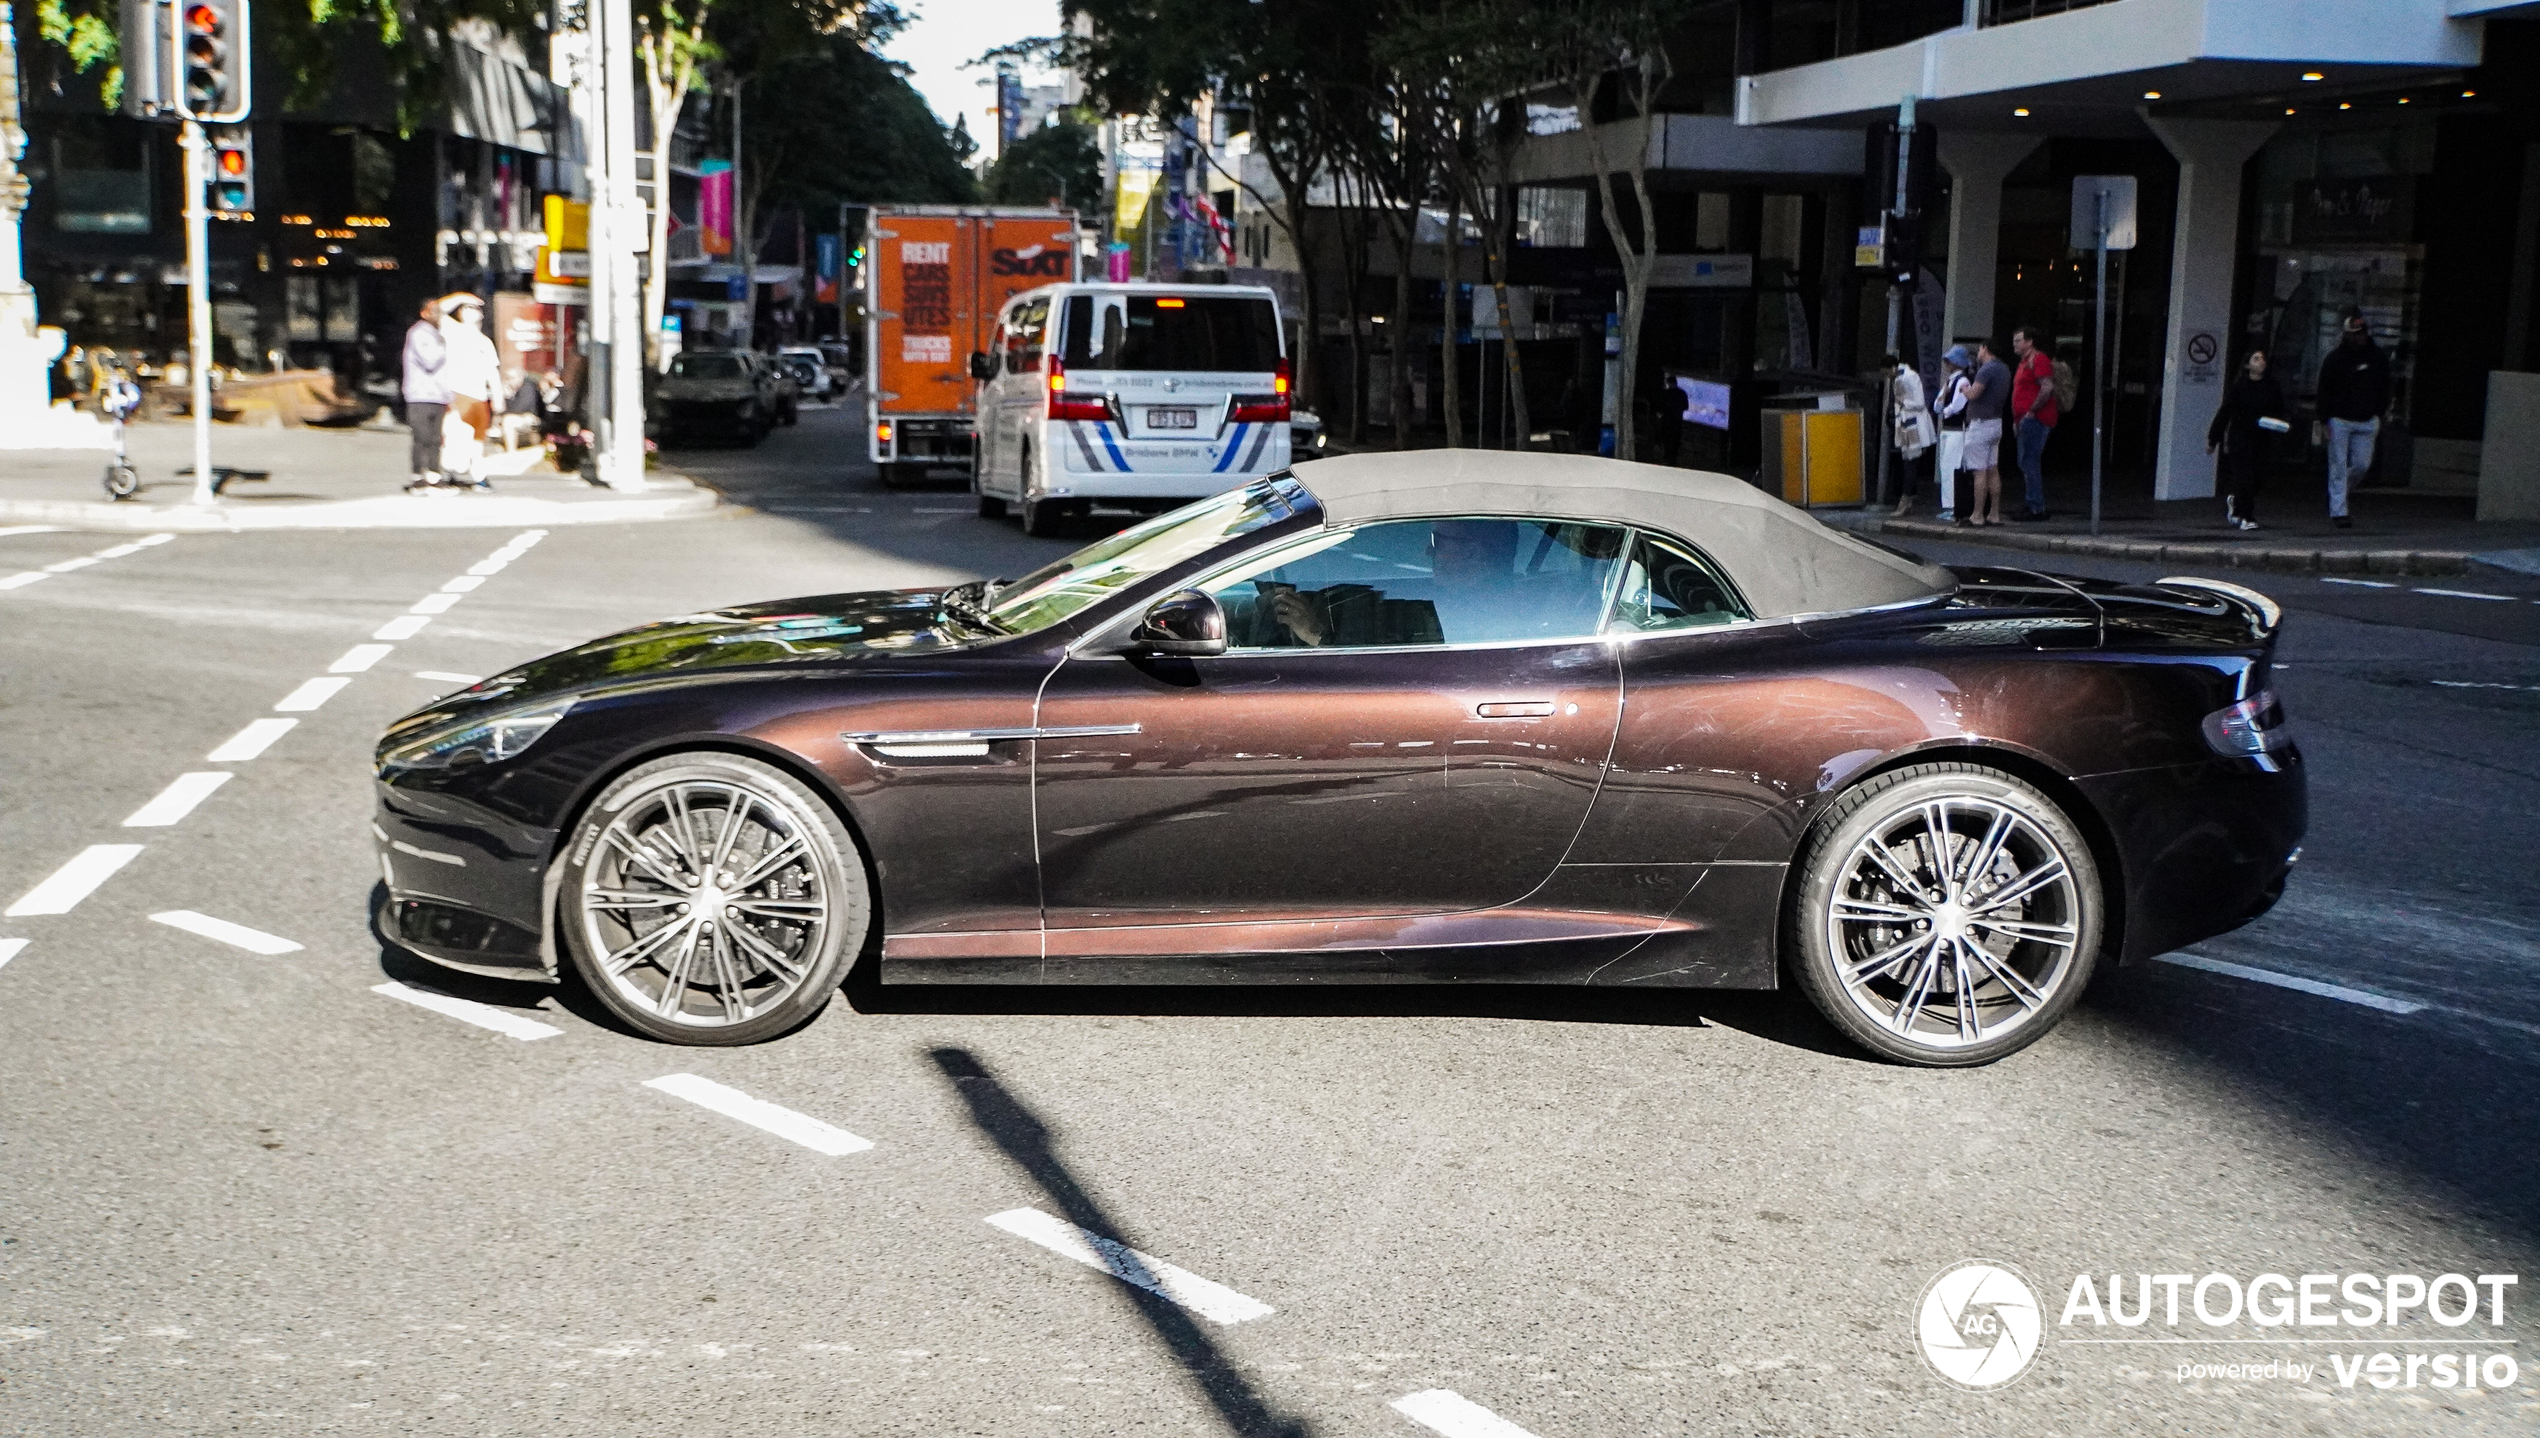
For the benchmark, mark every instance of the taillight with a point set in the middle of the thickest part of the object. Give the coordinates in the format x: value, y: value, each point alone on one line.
x: 1066, y: 406
x: 882, y: 434
x: 1272, y: 408
x: 2251, y: 727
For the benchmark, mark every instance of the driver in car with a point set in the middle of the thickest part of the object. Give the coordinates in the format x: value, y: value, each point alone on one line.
x: 1472, y: 566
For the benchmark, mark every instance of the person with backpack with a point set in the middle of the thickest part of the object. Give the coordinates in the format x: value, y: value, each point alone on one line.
x: 2034, y: 406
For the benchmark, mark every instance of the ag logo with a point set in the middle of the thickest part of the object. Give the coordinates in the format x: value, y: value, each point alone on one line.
x: 1979, y: 1325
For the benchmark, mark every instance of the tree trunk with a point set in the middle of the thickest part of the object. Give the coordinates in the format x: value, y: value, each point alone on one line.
x: 1500, y: 236
x: 1450, y: 374
x: 1398, y: 342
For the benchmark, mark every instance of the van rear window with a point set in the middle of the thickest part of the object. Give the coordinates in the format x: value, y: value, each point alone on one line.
x: 1176, y: 332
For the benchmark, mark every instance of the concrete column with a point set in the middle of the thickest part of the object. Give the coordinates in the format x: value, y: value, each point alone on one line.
x: 1976, y: 164
x: 2204, y: 254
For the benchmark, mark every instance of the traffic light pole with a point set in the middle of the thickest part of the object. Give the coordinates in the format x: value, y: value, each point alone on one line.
x: 198, y: 301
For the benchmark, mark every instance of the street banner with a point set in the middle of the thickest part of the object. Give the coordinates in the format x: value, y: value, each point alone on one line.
x: 714, y: 207
x: 826, y: 251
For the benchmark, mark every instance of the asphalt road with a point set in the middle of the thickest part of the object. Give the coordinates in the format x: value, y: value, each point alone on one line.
x: 247, y: 1191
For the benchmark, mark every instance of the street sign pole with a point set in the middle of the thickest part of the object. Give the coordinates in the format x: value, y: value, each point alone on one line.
x: 2099, y: 366
x: 198, y: 302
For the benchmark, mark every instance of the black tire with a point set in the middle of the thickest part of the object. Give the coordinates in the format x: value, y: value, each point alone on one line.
x: 810, y: 911
x: 790, y: 415
x: 1042, y: 518
x: 1997, y: 834
x: 991, y: 507
x: 894, y: 475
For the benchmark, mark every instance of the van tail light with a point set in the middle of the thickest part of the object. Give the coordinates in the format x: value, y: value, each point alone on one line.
x: 1066, y: 406
x: 2249, y: 728
x: 882, y: 433
x: 1272, y: 408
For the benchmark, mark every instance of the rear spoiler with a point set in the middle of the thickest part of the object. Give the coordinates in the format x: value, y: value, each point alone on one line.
x: 2267, y: 612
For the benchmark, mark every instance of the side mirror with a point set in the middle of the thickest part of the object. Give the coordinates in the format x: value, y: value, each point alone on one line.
x: 1185, y: 622
x: 982, y: 367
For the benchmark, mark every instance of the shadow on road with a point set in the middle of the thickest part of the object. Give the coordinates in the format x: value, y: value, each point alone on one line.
x: 1026, y: 1140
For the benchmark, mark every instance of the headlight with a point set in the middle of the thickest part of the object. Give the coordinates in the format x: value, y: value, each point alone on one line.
x: 485, y: 741
x: 2253, y: 726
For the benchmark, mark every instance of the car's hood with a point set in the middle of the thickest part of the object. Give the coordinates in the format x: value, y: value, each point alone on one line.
x: 829, y: 629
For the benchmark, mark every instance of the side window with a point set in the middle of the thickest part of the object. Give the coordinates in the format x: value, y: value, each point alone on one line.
x: 1000, y: 347
x: 1424, y: 581
x: 1030, y: 325
x: 1669, y: 586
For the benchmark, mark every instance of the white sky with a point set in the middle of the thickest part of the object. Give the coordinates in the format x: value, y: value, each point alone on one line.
x: 944, y: 33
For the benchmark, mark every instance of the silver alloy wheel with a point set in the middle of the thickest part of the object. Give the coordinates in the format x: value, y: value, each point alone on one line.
x: 706, y: 903
x: 1954, y: 923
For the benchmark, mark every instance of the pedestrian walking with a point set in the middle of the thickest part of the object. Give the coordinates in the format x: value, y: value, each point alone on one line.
x: 1914, y: 431
x: 2033, y: 405
x: 2251, y: 415
x: 1672, y: 404
x: 472, y: 371
x: 427, y: 394
x: 1950, y: 405
x: 2354, y: 393
x: 1988, y: 399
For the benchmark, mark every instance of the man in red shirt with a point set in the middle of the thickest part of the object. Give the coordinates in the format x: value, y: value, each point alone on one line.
x: 2033, y: 406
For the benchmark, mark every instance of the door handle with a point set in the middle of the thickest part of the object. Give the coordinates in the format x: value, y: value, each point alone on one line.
x: 1514, y: 709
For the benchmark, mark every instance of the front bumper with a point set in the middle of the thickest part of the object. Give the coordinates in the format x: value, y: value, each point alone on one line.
x: 465, y: 889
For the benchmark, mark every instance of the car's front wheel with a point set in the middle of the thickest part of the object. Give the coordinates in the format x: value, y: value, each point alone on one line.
x: 1945, y: 915
x: 708, y: 898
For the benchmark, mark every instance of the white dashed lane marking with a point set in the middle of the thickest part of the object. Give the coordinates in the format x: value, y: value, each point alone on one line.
x: 22, y: 580
x: 9, y: 949
x: 434, y: 604
x: 404, y: 626
x: 2339, y: 992
x: 444, y: 676
x: 803, y: 1129
x: 74, y: 881
x: 2468, y: 594
x: 359, y: 658
x: 1442, y: 1411
x: 251, y: 741
x: 484, y: 1016
x: 177, y: 800
x: 310, y: 695
x: 67, y: 566
x: 254, y: 941
x: 463, y: 584
x: 1212, y: 1301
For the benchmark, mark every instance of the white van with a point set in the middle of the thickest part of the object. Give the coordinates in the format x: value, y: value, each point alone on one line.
x: 1130, y: 395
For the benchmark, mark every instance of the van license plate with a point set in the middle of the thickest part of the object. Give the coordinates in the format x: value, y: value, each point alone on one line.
x: 1172, y: 419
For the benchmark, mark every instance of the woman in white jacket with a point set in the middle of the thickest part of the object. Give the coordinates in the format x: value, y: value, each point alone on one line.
x: 470, y: 373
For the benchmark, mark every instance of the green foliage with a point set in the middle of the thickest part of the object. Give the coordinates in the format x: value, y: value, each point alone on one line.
x: 836, y: 125
x: 1061, y: 160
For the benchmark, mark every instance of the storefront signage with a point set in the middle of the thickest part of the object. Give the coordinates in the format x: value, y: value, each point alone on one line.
x: 1679, y: 272
x: 2376, y: 209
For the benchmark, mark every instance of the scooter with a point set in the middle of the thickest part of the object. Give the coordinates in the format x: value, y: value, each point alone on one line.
x: 119, y: 399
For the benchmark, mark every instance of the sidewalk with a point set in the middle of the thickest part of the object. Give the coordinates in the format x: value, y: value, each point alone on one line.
x: 2395, y: 531
x: 319, y: 479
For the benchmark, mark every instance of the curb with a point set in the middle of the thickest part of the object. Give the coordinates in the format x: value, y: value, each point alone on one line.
x: 394, y: 511
x: 2426, y: 562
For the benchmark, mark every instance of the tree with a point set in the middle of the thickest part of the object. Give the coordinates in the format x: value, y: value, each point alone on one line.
x: 1060, y: 163
x: 1593, y: 44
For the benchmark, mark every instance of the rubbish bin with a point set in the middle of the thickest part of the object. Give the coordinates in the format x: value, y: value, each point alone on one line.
x: 1812, y: 456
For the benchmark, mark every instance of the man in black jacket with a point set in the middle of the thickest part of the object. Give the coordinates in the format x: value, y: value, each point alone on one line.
x: 2354, y: 392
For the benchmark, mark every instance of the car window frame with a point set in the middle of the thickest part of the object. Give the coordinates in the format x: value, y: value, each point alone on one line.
x: 1719, y: 574
x: 1596, y: 635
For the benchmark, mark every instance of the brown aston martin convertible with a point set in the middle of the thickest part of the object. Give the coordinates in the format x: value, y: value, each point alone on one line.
x: 1448, y: 716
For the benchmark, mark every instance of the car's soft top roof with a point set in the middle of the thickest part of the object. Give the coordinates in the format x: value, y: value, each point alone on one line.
x: 1781, y: 557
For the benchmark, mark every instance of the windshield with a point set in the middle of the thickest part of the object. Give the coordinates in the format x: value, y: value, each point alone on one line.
x: 1098, y: 571
x: 1171, y: 332
x: 705, y: 367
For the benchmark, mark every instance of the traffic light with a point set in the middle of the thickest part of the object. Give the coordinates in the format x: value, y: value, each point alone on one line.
x: 1902, y: 227
x: 211, y: 45
x: 233, y: 182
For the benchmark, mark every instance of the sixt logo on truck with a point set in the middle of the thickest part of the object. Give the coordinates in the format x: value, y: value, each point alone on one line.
x: 1042, y: 261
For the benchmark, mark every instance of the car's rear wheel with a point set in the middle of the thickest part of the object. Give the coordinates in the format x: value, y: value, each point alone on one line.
x: 709, y: 898
x: 1946, y: 915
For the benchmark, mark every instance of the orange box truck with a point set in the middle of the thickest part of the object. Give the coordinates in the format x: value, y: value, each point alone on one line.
x: 936, y: 277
